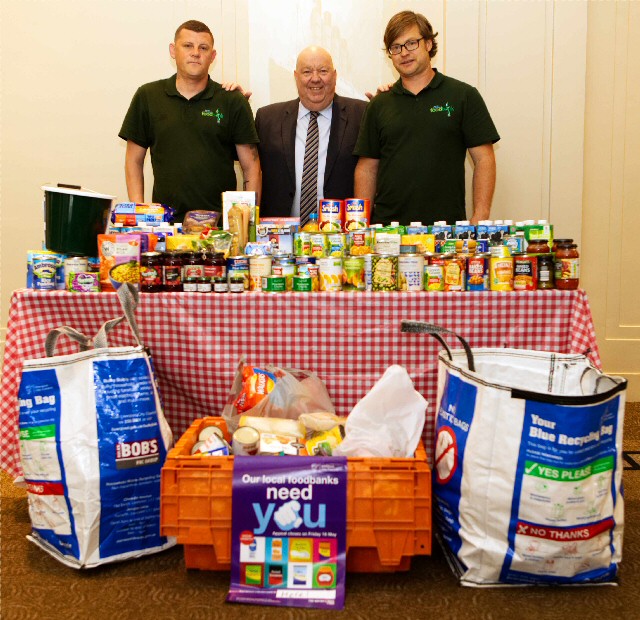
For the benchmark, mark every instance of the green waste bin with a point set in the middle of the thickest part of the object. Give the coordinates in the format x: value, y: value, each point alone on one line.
x: 74, y: 218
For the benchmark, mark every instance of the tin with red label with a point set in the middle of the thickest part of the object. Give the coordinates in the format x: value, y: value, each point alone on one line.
x: 331, y: 215
x: 525, y: 272
x: 356, y: 213
x: 478, y: 272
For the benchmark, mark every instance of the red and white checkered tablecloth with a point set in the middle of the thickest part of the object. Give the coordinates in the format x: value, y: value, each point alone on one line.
x: 348, y: 339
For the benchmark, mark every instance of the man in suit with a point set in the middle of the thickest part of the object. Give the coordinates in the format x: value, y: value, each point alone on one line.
x: 282, y: 129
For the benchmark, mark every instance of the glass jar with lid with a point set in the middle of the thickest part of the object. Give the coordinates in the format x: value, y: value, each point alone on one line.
x: 545, y: 272
x: 568, y: 266
x: 538, y: 246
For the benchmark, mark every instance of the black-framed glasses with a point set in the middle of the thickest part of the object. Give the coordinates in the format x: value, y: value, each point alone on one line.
x: 410, y: 45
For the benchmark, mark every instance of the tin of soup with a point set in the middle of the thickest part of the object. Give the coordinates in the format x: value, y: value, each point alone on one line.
x: 501, y: 273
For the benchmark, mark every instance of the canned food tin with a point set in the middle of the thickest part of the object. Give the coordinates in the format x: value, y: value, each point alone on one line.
x: 44, y: 271
x: 337, y: 243
x: 356, y: 213
x: 274, y: 284
x: 213, y: 445
x: 359, y: 242
x: 207, y: 431
x: 245, y: 441
x: 455, y: 274
x: 302, y: 244
x: 525, y: 272
x: 75, y: 264
x: 501, y: 273
x: 353, y: 273
x: 434, y: 277
x: 410, y: 272
x: 302, y: 283
x: 258, y: 266
x: 304, y: 260
x: 238, y: 266
x: 319, y: 245
x: 331, y: 215
x: 284, y: 267
x: 330, y: 274
x: 478, y: 272
x: 384, y: 272
x: 368, y: 279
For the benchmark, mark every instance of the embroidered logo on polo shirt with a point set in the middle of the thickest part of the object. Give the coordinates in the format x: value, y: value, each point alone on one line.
x: 443, y: 108
x: 217, y: 114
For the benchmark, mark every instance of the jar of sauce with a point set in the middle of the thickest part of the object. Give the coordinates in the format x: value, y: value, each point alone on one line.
x: 568, y: 265
x: 538, y: 246
x: 172, y: 272
x: 554, y: 249
x: 545, y: 271
x: 151, y: 272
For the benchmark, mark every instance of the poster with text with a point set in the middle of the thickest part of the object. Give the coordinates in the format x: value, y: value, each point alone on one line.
x: 289, y: 531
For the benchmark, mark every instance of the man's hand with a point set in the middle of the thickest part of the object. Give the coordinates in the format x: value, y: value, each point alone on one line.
x: 236, y: 86
x: 383, y: 88
x: 287, y: 517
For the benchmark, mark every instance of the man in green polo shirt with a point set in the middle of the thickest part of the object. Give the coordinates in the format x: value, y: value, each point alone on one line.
x: 195, y: 130
x: 414, y: 137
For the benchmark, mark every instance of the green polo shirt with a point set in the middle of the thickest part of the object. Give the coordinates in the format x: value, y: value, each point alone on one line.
x: 192, y: 141
x: 421, y: 141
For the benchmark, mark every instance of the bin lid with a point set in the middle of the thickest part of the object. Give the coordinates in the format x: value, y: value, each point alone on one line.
x: 83, y: 191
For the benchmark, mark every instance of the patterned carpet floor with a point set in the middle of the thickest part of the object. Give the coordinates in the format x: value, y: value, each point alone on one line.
x: 35, y: 586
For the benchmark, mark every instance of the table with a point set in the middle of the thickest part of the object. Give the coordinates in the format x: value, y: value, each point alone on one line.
x: 348, y: 339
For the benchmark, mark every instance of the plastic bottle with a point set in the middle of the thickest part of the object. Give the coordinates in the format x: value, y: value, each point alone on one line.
x: 312, y: 224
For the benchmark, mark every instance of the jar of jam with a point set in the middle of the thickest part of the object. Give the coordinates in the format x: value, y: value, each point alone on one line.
x: 172, y: 272
x: 215, y: 265
x: 192, y: 265
x: 203, y: 284
x: 568, y: 266
x: 545, y: 271
x: 538, y: 246
x: 220, y: 284
x: 151, y: 272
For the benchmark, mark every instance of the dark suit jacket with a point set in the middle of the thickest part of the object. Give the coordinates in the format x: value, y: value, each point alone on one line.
x: 276, y: 125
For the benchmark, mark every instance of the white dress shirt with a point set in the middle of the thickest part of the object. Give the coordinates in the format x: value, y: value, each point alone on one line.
x: 324, y: 129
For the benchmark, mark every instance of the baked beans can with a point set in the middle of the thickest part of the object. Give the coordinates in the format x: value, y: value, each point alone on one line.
x: 331, y: 215
x: 501, y: 273
x: 410, y: 272
x: 455, y: 273
x: 353, y: 273
x: 258, y: 266
x: 274, y: 284
x: 330, y: 274
x: 384, y: 272
x: 245, y: 441
x: 478, y: 272
x: 302, y: 283
x: 356, y: 213
x: 525, y: 272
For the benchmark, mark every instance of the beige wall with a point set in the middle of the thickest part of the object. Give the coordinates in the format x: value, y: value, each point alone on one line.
x: 69, y: 69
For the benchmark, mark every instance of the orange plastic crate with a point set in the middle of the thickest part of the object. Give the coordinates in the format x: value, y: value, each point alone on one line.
x: 388, y: 507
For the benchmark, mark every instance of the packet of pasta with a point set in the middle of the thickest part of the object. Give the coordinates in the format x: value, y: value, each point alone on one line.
x: 119, y: 260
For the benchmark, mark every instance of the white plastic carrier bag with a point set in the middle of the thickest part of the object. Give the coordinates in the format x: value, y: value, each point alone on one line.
x: 93, y: 438
x: 527, y: 465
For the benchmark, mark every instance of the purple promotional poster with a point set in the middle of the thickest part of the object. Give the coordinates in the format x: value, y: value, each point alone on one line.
x: 288, y: 545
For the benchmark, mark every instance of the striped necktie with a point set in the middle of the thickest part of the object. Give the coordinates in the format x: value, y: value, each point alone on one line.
x: 309, y: 187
